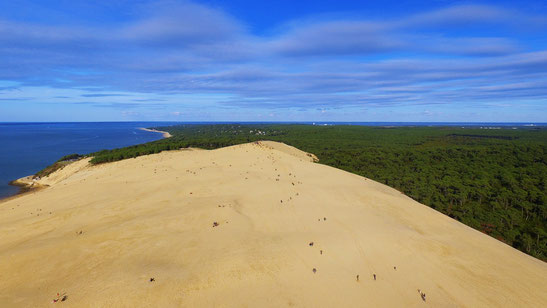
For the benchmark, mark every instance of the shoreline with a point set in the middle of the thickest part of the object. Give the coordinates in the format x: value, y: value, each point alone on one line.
x: 26, y: 185
x: 164, y: 134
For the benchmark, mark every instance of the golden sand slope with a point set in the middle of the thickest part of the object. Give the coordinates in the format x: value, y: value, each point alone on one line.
x: 98, y: 235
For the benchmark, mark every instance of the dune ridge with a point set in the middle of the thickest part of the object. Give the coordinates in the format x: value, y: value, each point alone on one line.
x: 252, y: 225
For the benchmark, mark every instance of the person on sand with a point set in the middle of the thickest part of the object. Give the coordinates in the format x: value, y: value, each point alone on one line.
x: 374, y: 275
x: 357, y: 278
x: 422, y: 294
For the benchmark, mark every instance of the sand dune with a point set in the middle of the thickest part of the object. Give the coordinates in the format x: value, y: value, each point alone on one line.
x: 245, y: 226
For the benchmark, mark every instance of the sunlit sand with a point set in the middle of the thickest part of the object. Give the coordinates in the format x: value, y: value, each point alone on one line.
x: 255, y: 225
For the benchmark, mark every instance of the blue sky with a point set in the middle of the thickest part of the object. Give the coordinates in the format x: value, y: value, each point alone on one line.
x: 118, y: 60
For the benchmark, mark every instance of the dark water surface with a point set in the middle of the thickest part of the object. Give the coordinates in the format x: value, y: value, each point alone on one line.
x: 26, y: 148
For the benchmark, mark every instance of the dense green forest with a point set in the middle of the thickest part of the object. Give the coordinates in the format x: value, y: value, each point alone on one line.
x: 493, y: 180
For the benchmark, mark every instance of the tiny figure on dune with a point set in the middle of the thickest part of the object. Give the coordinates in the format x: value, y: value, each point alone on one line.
x: 215, y: 224
x: 357, y: 278
x: 59, y: 297
x: 311, y: 244
x: 56, y: 299
x: 374, y: 275
x: 314, y: 270
x: 422, y: 295
x: 152, y: 279
x: 395, y: 267
x: 321, y: 252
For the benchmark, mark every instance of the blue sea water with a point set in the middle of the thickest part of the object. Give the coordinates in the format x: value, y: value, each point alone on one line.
x: 26, y: 148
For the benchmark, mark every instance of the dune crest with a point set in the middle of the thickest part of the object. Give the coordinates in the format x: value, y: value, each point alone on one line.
x: 282, y: 147
x: 255, y: 225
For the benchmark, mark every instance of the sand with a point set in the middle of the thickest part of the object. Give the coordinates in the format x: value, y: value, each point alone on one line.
x: 164, y: 134
x: 99, y: 234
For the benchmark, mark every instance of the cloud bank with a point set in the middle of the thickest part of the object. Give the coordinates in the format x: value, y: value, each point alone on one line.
x: 469, y: 55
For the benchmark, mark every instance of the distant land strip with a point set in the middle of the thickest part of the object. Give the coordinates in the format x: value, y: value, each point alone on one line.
x: 165, y: 134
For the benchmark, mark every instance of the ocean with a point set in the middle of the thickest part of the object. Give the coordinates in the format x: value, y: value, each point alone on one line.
x: 26, y: 148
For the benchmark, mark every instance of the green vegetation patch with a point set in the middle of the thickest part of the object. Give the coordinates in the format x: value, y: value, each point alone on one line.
x: 59, y: 164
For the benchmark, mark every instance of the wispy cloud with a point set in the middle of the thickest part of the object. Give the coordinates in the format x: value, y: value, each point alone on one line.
x: 102, y: 95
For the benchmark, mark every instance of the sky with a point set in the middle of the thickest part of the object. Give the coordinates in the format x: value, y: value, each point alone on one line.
x: 139, y: 60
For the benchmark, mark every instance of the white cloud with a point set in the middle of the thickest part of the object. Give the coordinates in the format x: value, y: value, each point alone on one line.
x: 191, y: 49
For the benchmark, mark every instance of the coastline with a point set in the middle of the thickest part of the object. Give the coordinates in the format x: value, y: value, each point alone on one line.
x: 112, y: 135
x: 164, y: 134
x: 26, y: 185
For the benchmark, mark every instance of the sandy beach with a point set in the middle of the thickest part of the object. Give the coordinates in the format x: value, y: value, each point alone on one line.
x: 253, y: 225
x: 164, y: 134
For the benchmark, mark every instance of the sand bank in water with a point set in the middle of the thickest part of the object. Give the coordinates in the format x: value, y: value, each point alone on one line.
x: 246, y: 226
x: 164, y: 134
